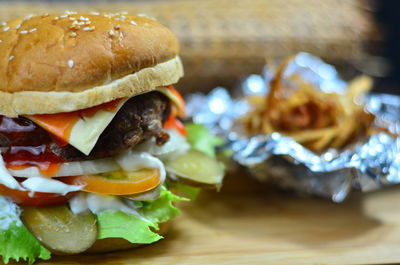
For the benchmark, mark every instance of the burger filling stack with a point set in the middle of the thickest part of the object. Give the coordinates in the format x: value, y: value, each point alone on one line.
x: 93, y: 150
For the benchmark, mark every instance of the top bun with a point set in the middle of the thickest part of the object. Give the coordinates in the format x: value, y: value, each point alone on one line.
x: 65, y: 62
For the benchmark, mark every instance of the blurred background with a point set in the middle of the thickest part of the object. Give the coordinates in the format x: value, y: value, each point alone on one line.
x: 225, y: 40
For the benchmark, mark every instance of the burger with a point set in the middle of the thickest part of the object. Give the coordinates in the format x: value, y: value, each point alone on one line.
x: 93, y: 150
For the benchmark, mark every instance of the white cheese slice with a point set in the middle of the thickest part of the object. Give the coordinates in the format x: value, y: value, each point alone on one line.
x: 86, y: 130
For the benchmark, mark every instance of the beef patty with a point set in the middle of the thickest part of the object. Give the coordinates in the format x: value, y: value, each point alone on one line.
x: 140, y: 118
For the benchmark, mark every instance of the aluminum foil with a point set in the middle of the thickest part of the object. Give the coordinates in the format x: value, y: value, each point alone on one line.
x: 368, y: 165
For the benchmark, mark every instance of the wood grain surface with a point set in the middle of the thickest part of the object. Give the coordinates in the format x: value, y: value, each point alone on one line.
x: 250, y: 224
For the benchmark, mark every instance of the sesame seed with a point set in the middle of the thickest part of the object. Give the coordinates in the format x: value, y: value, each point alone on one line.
x: 33, y: 30
x: 11, y: 58
x: 3, y: 23
x: 18, y: 26
x: 134, y: 23
x: 70, y: 12
x: 88, y: 22
x: 6, y: 28
x: 72, y: 34
x: 56, y: 18
x: 28, y: 16
x: 72, y: 18
x: 64, y: 16
x: 88, y: 28
x: 95, y: 13
x: 146, y: 16
x: 71, y: 63
x: 23, y: 32
x: 111, y: 33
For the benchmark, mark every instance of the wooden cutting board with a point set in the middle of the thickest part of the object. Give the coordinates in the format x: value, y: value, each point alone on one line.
x: 250, y: 224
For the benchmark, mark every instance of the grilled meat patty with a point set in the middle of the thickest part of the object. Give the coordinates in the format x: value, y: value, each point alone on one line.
x: 139, y: 119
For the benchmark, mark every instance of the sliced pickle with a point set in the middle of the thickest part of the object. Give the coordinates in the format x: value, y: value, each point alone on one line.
x: 197, y: 169
x: 59, y: 230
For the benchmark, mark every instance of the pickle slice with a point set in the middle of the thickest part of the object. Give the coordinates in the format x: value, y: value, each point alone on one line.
x: 59, y: 230
x: 197, y: 168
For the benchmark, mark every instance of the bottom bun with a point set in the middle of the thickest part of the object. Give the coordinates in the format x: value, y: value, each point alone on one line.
x: 117, y: 244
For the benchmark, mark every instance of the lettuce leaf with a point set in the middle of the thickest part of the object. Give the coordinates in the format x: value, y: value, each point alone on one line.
x: 138, y: 229
x: 128, y: 226
x: 18, y: 243
x: 201, y: 139
x: 185, y: 190
x: 162, y: 209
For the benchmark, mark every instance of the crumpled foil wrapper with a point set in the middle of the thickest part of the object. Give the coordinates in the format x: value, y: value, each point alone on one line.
x: 368, y: 165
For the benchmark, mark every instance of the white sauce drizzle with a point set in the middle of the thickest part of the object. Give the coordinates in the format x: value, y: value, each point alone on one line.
x: 9, y: 213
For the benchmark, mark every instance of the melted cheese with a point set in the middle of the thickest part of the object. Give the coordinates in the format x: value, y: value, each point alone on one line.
x: 80, y: 131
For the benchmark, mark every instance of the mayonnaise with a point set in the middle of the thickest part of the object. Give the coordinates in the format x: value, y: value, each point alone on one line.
x: 176, y: 146
x: 133, y: 161
x: 9, y: 213
x: 98, y: 203
x: 6, y: 179
x: 39, y: 184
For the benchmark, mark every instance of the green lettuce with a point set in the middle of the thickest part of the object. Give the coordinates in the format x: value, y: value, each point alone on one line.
x: 162, y: 209
x: 201, y: 139
x: 18, y: 243
x: 128, y: 226
x: 139, y: 229
x: 185, y: 190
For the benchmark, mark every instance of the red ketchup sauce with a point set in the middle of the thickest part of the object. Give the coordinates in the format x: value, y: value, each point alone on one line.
x: 21, y: 157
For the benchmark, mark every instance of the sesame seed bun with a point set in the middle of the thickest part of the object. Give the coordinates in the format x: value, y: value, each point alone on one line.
x: 65, y: 62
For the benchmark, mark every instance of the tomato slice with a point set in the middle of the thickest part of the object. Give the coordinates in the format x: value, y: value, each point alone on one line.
x: 37, y: 199
x: 118, y: 183
x: 176, y: 98
x: 174, y: 123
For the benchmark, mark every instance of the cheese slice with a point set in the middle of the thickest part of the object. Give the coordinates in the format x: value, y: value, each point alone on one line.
x: 82, y: 129
x: 79, y: 128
